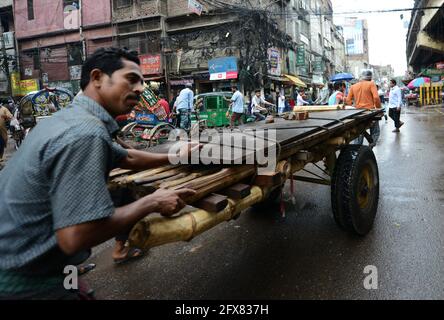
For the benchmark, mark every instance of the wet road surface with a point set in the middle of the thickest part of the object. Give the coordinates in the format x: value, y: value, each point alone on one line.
x: 305, y: 255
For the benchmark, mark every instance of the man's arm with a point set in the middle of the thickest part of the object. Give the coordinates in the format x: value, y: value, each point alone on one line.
x: 142, y: 160
x: 349, y: 99
x: 76, y: 238
x: 376, y: 99
x: 399, y: 94
x: 191, y: 98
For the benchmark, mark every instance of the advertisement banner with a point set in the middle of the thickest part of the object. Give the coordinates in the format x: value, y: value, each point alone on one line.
x: 300, y: 58
x: 28, y: 86
x: 318, y: 65
x: 150, y: 64
x: 195, y: 7
x: 15, y: 83
x: 223, y: 68
x: 274, y: 58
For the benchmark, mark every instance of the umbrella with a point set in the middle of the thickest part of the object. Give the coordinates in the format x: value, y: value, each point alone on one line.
x: 342, y: 77
x: 418, y: 82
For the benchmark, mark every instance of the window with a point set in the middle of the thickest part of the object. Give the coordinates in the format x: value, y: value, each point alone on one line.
x: 304, y: 28
x: 123, y: 3
x: 30, y: 9
x: 74, y: 54
x: 131, y: 44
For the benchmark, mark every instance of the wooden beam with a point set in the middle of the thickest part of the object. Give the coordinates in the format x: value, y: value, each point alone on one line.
x: 268, y: 179
x: 213, y: 203
x: 238, y: 191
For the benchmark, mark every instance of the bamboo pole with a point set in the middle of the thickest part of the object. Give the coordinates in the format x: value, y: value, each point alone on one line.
x: 162, y: 175
x: 155, y: 231
x: 317, y: 108
x: 118, y: 172
x: 141, y: 175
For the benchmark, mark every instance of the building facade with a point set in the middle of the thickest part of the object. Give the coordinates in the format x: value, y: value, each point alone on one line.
x: 425, y: 41
x: 356, y: 45
x: 8, y: 52
x: 55, y: 36
x: 183, y: 41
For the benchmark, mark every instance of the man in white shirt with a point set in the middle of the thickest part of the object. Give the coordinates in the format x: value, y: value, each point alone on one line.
x: 257, y: 104
x: 236, y: 106
x: 395, y: 105
x: 300, y: 100
x: 184, y: 106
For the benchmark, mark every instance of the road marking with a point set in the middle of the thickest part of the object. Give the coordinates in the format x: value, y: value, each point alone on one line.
x: 440, y: 112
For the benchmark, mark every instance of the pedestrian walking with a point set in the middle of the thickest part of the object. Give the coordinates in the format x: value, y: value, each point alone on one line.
x: 5, y: 115
x: 395, y: 105
x: 236, y: 107
x: 281, y: 103
x: 364, y: 95
x: 185, y: 106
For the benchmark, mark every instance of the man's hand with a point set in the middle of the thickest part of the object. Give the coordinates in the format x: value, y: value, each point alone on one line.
x: 399, y: 109
x: 170, y: 202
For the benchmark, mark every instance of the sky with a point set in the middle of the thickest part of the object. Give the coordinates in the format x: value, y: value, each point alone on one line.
x: 387, y: 32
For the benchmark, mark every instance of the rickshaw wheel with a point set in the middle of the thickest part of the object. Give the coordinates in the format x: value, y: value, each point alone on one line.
x: 162, y: 129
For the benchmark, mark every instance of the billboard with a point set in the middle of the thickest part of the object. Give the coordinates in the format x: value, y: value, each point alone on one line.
x: 354, y: 36
x: 274, y: 58
x: 151, y: 64
x: 223, y: 68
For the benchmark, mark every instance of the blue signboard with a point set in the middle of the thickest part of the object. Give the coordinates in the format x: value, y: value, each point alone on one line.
x: 219, y: 65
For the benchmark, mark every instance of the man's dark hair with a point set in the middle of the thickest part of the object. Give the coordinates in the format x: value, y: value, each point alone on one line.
x: 337, y: 86
x: 394, y: 82
x: 257, y: 90
x: 234, y: 86
x: 161, y: 96
x: 108, y: 60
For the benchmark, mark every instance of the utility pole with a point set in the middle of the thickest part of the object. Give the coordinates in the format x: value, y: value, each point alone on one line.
x: 82, y: 38
x: 164, y: 55
x: 5, y: 63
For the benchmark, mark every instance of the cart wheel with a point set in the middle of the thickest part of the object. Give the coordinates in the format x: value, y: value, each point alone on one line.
x: 355, y: 189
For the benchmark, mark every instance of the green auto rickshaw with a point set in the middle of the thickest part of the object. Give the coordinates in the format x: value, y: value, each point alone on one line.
x: 211, y: 110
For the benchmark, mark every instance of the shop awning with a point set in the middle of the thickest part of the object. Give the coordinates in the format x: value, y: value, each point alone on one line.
x: 296, y: 81
x: 153, y: 78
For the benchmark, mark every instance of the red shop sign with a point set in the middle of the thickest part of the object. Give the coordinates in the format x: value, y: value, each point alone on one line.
x: 150, y: 64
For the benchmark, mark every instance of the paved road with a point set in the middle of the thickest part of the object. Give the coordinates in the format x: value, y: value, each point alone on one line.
x: 305, y: 255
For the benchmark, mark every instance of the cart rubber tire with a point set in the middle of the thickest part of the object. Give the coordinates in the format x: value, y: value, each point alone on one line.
x: 355, y: 189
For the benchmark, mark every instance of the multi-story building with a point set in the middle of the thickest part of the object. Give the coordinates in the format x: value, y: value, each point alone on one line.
x: 182, y: 41
x: 340, y: 62
x: 8, y: 52
x: 356, y: 45
x: 177, y: 42
x: 55, y: 36
x: 425, y: 40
